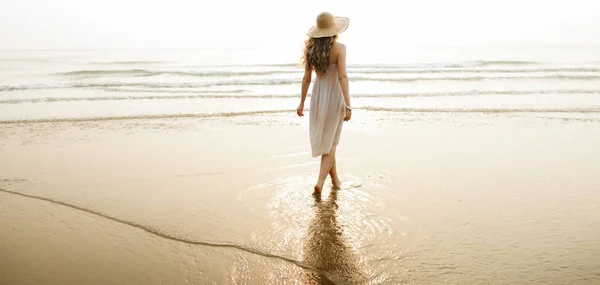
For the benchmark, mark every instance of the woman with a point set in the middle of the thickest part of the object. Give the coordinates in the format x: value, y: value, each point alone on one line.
x: 330, y: 98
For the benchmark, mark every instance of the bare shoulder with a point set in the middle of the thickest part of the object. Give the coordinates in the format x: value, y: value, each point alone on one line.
x: 340, y: 47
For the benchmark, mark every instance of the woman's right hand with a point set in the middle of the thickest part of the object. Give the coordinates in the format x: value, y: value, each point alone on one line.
x: 300, y: 110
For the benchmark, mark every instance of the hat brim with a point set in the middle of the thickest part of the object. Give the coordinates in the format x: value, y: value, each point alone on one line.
x: 341, y: 24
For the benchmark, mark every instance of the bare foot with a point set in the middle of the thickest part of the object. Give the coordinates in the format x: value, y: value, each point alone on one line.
x: 318, y: 189
x: 336, y: 183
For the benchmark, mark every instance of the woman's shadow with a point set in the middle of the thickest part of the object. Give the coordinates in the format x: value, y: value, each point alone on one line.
x: 327, y: 249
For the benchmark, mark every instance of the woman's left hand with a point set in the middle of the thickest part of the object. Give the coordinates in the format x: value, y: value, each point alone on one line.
x: 348, y: 115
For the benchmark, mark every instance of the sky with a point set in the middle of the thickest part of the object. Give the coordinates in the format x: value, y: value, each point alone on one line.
x: 95, y: 24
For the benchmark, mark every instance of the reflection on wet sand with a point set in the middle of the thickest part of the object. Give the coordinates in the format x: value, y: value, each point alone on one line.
x: 327, y: 249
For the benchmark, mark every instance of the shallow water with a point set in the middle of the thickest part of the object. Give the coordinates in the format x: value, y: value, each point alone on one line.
x: 137, y: 170
x: 500, y: 201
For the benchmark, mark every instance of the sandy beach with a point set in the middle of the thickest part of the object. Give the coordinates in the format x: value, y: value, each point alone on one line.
x: 191, y: 167
x: 445, y: 199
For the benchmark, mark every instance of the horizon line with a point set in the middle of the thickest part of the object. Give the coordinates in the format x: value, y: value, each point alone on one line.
x: 259, y: 47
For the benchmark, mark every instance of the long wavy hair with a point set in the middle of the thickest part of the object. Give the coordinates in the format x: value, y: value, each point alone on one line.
x: 317, y: 52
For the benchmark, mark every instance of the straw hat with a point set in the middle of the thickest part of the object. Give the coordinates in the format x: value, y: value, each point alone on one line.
x: 328, y: 26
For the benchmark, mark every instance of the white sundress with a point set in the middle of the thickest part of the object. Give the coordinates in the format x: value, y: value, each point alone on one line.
x: 326, y: 112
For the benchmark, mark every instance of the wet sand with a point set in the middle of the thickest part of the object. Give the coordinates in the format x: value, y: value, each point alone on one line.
x: 450, y: 199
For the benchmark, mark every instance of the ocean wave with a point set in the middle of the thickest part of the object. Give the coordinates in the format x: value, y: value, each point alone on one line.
x: 175, y: 91
x: 473, y: 70
x: 100, y: 85
x: 271, y: 112
x: 476, y: 78
x: 133, y: 72
x: 64, y: 85
x: 466, y: 64
x: 136, y: 62
x: 145, y: 117
x: 157, y: 97
x: 567, y: 119
x: 504, y: 62
x: 236, y: 94
x: 144, y: 72
x: 369, y: 70
x: 481, y: 110
x: 282, y: 81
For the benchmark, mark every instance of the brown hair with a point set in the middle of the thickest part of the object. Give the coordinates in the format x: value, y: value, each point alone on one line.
x: 317, y: 52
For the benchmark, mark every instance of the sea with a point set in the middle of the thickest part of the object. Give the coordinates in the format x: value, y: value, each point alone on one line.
x: 77, y: 85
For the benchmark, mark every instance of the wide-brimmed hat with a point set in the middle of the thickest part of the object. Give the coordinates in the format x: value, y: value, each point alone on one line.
x: 328, y: 25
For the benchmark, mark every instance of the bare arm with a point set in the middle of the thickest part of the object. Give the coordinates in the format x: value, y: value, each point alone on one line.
x: 342, y: 75
x: 305, y: 84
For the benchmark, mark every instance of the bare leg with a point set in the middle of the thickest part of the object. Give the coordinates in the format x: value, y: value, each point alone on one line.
x: 326, y: 164
x: 335, y: 180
